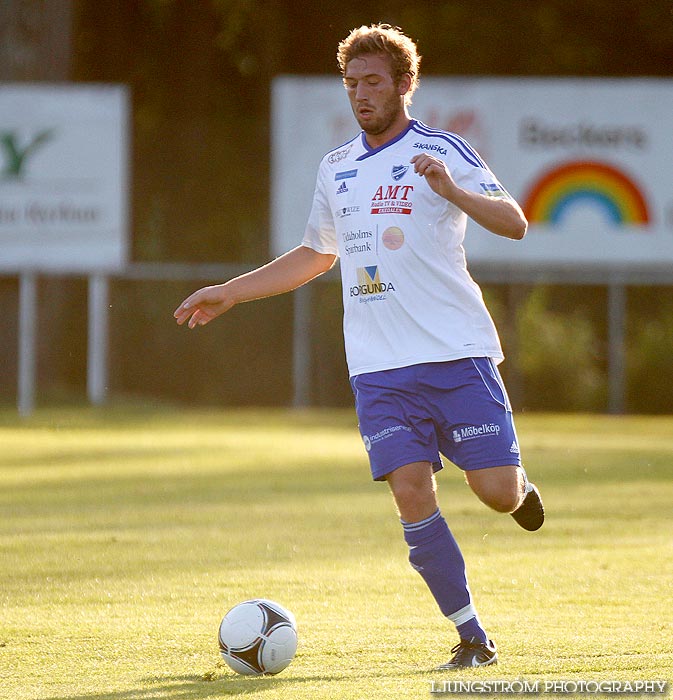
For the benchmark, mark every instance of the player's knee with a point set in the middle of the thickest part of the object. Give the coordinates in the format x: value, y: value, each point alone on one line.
x: 410, y: 496
x: 415, y: 498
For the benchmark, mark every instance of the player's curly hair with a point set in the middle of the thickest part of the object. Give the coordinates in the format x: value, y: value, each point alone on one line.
x: 383, y: 39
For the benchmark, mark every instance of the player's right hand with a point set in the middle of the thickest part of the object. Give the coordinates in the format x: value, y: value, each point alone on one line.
x: 203, y: 306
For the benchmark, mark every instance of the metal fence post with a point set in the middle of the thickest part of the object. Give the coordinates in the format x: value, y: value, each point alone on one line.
x: 301, y: 347
x: 97, y: 346
x: 616, y: 349
x: 27, y: 339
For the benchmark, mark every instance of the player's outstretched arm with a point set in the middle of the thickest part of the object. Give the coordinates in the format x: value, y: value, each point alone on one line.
x: 500, y: 216
x: 283, y: 274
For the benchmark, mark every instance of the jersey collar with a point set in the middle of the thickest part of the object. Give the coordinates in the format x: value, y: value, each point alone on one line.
x: 369, y: 151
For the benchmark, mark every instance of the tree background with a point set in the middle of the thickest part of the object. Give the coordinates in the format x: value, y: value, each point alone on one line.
x: 199, y: 73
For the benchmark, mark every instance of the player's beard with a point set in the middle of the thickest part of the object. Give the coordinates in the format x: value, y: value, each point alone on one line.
x: 387, y: 114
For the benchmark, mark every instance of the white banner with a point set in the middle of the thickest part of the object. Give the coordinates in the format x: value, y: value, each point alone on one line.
x: 63, y: 177
x: 589, y: 160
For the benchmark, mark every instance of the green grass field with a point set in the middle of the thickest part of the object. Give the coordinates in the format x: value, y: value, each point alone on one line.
x: 127, y: 533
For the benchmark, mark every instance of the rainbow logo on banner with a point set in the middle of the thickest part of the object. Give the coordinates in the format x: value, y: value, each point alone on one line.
x: 579, y: 183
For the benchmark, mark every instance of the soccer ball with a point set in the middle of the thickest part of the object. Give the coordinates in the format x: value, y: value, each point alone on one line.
x: 258, y: 637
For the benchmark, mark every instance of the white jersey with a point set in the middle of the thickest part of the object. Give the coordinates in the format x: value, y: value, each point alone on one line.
x: 408, y: 297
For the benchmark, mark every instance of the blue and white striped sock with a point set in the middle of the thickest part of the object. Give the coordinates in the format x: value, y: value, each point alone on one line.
x: 435, y: 554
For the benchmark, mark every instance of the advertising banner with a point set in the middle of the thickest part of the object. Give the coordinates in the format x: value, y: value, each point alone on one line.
x: 63, y: 177
x: 589, y: 160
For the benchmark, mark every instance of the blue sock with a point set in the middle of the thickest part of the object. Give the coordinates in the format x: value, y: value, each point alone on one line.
x: 435, y: 554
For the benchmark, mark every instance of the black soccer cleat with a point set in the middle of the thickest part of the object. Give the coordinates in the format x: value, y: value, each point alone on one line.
x: 469, y: 653
x: 530, y: 514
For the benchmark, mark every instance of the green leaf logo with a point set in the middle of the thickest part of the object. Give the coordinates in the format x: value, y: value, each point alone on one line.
x: 15, y: 157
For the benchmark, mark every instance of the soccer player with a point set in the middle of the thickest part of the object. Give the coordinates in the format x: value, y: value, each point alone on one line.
x: 422, y: 350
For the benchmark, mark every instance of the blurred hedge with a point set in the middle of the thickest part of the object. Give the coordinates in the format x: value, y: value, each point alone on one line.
x: 555, y: 340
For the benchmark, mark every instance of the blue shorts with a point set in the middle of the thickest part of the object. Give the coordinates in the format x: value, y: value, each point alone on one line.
x: 412, y: 414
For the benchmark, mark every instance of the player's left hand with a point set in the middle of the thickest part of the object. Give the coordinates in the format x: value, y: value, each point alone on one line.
x: 436, y: 174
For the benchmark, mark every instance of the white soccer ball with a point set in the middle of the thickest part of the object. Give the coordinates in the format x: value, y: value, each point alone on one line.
x: 258, y: 637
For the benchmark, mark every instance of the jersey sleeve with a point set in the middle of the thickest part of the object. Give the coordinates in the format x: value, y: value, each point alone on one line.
x: 472, y: 173
x: 320, y: 233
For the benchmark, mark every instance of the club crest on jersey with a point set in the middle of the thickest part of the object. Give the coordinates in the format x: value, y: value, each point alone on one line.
x: 392, y: 199
x: 399, y: 171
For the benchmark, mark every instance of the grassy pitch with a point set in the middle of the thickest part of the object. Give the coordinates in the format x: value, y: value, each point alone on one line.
x: 126, y: 534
